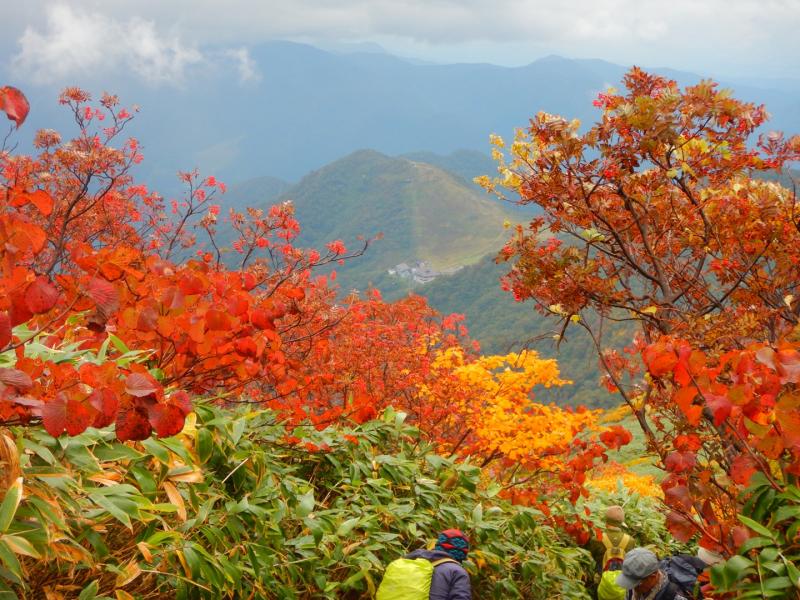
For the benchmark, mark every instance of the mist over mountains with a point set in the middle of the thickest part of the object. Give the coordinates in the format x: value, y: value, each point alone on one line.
x: 301, y: 108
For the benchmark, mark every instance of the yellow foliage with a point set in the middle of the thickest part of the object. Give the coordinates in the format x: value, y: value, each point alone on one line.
x: 607, y: 477
x: 615, y: 415
x: 495, y: 396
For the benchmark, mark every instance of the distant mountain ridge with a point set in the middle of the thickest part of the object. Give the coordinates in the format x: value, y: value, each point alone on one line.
x: 307, y: 107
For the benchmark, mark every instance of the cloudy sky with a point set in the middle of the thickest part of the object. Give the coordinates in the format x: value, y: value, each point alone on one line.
x: 43, y: 41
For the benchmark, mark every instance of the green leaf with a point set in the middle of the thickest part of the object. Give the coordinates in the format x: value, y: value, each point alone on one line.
x: 786, y: 512
x: 111, y: 507
x: 763, y: 506
x: 315, y: 528
x: 238, y: 430
x: 755, y: 542
x: 157, y: 450
x: 118, y: 344
x: 204, y: 444
x: 9, y: 560
x: 757, y: 527
x: 477, y: 513
x: 8, y: 508
x: 305, y: 504
x: 346, y: 527
x: 163, y: 537
x: 778, y: 583
x: 116, y: 452
x: 89, y: 592
x: 355, y: 578
x: 737, y: 565
x: 41, y: 451
x: 19, y: 545
x: 101, y: 356
x: 194, y: 560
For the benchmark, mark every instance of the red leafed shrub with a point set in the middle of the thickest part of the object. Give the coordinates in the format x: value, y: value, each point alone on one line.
x: 655, y: 214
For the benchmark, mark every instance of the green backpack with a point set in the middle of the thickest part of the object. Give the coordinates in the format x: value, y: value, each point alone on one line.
x: 408, y: 579
x: 612, y: 563
x: 608, y: 588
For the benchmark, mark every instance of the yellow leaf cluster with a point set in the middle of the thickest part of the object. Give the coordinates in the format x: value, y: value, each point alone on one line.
x: 495, y: 394
x: 608, y: 478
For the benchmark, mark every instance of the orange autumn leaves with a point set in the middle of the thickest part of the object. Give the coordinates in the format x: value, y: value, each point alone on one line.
x: 403, y: 354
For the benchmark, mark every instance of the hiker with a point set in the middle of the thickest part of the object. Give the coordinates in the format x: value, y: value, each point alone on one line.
x: 609, y: 551
x: 430, y: 574
x: 686, y: 570
x: 643, y: 578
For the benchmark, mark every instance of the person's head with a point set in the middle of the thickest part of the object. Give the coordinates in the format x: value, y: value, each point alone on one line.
x: 639, y: 571
x: 454, y: 542
x: 615, y: 517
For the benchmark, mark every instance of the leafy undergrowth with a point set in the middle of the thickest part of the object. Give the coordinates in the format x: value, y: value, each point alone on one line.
x: 235, y: 507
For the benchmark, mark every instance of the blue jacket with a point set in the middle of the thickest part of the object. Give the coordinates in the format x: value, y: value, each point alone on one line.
x: 450, y: 580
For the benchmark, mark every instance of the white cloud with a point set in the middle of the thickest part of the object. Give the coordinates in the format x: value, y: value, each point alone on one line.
x: 245, y: 65
x: 76, y: 41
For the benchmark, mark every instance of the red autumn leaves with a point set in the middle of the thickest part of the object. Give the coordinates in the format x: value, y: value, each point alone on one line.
x: 748, y: 391
x: 14, y: 103
x: 748, y: 397
x: 76, y: 268
x: 615, y: 437
x: 41, y: 296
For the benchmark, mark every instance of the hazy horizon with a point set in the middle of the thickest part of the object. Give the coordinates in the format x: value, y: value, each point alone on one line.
x: 53, y: 42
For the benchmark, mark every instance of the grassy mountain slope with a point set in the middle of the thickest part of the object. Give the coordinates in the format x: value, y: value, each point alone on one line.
x: 465, y: 164
x: 423, y: 212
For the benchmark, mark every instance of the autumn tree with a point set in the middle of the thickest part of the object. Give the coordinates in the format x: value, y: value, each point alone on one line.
x: 666, y: 212
x: 89, y: 257
x: 405, y: 355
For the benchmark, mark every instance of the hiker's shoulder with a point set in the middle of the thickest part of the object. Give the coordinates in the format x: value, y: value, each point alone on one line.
x: 630, y: 544
x: 431, y: 555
